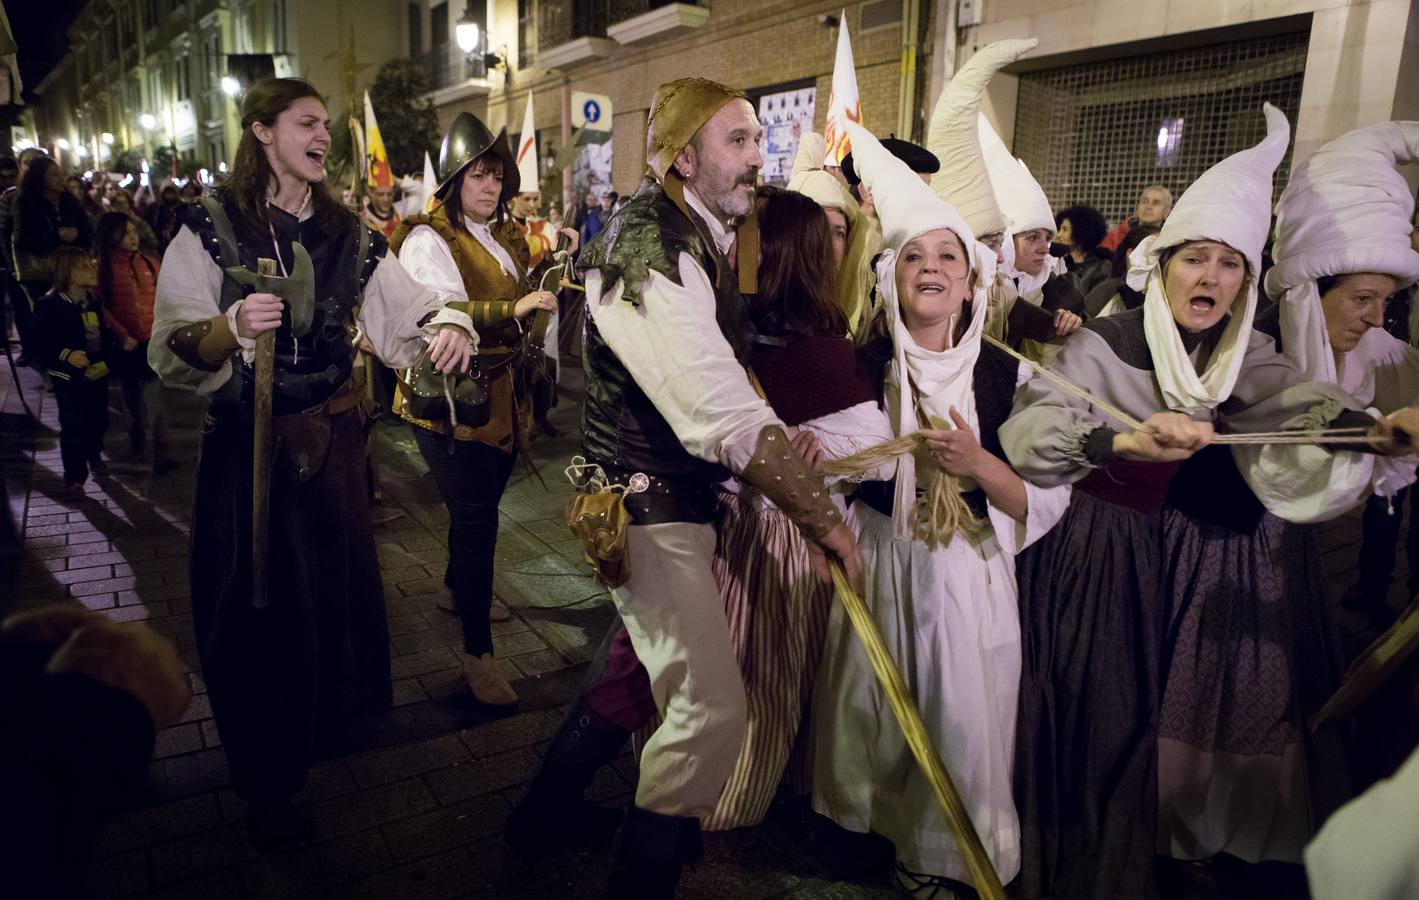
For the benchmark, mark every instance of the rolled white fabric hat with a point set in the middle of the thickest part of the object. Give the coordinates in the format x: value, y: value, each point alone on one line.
x: 1021, y: 198
x: 954, y: 136
x: 1347, y: 209
x: 810, y: 179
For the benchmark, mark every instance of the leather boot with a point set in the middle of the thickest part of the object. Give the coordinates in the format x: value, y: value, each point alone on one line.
x: 650, y: 849
x: 555, y: 816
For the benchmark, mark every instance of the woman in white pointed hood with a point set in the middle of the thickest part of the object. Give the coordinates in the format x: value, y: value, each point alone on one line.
x: 1036, y: 276
x: 1343, y: 248
x: 947, y: 612
x: 1094, y: 591
x: 993, y: 192
x: 1253, y: 651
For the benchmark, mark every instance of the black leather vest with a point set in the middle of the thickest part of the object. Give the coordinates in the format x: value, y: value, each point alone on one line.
x: 621, y: 429
x: 309, y: 370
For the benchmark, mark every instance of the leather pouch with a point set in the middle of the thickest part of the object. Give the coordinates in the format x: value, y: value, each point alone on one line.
x: 599, y: 520
x: 459, y: 399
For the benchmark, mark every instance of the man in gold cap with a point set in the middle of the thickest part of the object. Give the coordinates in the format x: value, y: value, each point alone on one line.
x: 670, y: 412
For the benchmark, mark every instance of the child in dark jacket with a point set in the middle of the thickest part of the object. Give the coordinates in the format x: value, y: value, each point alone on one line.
x: 70, y: 340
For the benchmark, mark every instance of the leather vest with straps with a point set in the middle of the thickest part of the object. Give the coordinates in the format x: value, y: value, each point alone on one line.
x: 621, y: 428
x: 309, y: 370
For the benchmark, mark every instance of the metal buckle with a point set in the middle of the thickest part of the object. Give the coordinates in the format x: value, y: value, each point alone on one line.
x: 638, y: 483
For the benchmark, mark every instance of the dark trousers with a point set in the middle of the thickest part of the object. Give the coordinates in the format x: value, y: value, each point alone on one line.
x: 1377, y: 550
x: 142, y: 396
x: 472, y: 480
x: 83, y: 419
x: 621, y: 692
x: 22, y: 308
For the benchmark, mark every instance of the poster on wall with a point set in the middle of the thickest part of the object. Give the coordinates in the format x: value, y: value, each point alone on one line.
x: 785, y: 115
x: 591, y: 170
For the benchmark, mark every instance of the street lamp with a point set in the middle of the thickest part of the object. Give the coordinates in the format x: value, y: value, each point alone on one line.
x: 107, y: 138
x: 230, y: 86
x: 148, y: 121
x: 62, y: 144
x: 467, y: 32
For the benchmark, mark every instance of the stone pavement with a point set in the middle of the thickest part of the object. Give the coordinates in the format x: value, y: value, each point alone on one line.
x: 418, y: 813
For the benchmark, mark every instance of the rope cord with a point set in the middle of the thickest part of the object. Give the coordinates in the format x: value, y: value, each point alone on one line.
x: 1314, y: 436
x: 939, y: 512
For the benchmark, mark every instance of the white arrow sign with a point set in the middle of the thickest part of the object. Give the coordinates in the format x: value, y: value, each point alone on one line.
x: 591, y: 111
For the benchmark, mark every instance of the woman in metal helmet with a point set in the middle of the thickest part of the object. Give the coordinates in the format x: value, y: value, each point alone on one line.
x: 469, y: 247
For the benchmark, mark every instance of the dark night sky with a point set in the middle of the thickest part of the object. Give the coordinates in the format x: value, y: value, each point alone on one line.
x: 40, y: 31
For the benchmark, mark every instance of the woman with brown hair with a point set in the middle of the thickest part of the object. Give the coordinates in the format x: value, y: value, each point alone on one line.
x: 469, y: 249
x: 47, y: 217
x: 292, y: 665
x: 777, y: 608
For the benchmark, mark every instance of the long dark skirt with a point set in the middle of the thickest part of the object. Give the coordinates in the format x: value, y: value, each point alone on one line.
x: 1252, y: 654
x: 1086, y: 746
x: 296, y: 677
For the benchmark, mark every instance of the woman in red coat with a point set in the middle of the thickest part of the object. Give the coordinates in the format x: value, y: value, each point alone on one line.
x: 128, y: 281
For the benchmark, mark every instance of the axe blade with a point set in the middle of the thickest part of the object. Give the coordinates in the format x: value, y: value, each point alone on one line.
x: 297, y: 288
x: 302, y: 290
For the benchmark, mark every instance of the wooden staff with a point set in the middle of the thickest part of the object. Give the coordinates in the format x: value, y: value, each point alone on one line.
x: 958, y: 818
x: 261, y: 453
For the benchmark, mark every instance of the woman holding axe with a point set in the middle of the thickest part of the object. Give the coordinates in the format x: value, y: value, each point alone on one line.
x: 257, y: 310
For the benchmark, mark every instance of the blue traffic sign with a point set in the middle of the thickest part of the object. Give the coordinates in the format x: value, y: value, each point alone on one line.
x: 591, y: 111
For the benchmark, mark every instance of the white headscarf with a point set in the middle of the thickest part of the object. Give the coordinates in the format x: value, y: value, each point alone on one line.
x: 1229, y: 203
x: 907, y: 208
x: 1345, y: 210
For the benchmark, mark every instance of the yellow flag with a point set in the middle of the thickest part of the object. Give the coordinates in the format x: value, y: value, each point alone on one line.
x: 380, y: 175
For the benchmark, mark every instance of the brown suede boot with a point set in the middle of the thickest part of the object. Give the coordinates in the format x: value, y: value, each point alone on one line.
x: 486, y: 682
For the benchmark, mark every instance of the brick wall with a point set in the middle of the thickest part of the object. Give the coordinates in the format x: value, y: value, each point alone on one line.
x: 745, y: 43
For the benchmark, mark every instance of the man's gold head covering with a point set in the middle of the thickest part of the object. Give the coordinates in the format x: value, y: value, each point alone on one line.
x: 677, y: 111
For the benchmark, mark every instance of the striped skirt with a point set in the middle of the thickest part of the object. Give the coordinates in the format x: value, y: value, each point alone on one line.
x: 778, y: 616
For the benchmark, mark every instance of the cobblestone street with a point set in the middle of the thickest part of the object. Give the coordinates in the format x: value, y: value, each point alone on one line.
x: 418, y: 812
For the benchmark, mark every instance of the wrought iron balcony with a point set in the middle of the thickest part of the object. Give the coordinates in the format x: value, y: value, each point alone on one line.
x: 562, y: 21
x: 448, y: 66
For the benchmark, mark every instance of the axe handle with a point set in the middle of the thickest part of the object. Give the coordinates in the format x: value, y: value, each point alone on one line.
x: 261, y: 454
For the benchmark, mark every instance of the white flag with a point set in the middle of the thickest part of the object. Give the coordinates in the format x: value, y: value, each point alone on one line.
x: 527, y: 150
x: 844, y: 105
x: 431, y: 182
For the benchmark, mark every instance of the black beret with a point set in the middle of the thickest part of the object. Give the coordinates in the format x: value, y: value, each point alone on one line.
x: 919, y: 159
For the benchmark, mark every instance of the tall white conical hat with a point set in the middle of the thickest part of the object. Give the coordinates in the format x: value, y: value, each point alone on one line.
x: 906, y: 207
x: 527, y: 150
x: 1021, y: 198
x: 1230, y: 202
x: 953, y: 135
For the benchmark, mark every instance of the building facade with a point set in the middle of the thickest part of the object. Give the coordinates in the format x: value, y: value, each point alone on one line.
x: 143, y: 75
x: 1119, y: 93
